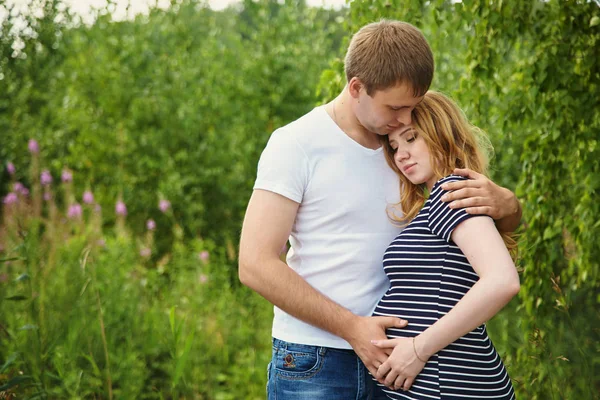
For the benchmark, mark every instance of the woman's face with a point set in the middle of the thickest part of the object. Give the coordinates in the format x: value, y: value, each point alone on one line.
x: 412, y: 156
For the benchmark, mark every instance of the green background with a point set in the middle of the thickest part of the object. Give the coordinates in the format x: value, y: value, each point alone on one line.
x: 179, y: 103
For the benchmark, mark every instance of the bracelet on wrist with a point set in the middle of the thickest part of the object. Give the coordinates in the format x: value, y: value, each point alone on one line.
x: 415, y: 349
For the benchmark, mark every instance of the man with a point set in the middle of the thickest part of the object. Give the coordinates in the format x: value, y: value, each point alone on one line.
x: 323, y: 182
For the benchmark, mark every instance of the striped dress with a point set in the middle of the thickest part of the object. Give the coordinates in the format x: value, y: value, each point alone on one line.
x: 428, y: 275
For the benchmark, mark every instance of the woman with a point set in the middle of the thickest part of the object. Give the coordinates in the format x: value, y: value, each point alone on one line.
x: 449, y: 271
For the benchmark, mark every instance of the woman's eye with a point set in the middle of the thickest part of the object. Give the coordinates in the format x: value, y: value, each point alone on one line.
x: 411, y: 139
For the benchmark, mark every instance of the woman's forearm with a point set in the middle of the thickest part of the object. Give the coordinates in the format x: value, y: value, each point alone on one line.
x: 479, y: 304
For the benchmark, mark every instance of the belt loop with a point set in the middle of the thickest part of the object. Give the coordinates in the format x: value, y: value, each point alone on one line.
x: 322, y: 351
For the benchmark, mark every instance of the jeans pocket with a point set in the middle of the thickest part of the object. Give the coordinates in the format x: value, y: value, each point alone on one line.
x: 298, y: 361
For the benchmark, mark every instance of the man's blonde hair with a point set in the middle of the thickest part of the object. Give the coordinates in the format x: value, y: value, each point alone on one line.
x: 387, y: 53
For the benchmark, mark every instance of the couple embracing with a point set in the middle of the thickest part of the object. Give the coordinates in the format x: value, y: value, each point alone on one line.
x: 399, y: 250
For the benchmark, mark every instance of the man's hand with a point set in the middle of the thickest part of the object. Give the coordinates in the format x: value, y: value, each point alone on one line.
x: 479, y: 195
x: 402, y: 366
x: 362, y: 330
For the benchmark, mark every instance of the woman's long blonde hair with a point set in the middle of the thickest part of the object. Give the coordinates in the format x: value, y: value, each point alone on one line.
x: 453, y: 142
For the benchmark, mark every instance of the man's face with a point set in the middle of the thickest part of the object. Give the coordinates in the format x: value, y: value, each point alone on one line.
x: 387, y: 110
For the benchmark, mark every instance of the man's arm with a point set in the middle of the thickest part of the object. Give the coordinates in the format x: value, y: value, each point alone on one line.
x: 267, y: 225
x: 479, y: 195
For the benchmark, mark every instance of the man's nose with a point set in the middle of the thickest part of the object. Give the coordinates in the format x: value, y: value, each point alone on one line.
x: 404, y: 117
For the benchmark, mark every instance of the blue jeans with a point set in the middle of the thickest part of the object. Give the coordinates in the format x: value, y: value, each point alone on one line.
x: 303, y: 372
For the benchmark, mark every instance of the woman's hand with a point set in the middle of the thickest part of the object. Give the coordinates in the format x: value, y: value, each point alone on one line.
x: 402, y: 366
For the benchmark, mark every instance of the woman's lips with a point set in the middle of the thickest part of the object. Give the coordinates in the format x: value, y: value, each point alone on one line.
x: 408, y: 167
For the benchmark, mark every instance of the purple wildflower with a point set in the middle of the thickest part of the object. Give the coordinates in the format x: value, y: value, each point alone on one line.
x: 18, y: 186
x: 33, y: 146
x: 203, y: 256
x: 74, y: 211
x: 101, y: 242
x: 67, y: 176
x: 45, y: 178
x: 145, y: 252
x: 11, y: 198
x: 20, y: 189
x: 121, y: 208
x: 164, y: 205
x: 10, y: 167
x: 47, y: 196
x: 151, y: 225
x: 203, y: 278
x: 88, y: 197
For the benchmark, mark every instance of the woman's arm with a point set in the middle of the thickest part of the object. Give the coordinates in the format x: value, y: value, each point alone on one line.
x: 481, y: 243
x: 498, y: 282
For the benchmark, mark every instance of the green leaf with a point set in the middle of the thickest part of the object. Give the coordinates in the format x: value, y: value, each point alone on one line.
x: 182, y: 361
x: 92, y: 362
x: 550, y: 232
x: 594, y: 21
x: 538, y: 302
x: 2, y: 260
x: 172, y: 320
x: 39, y: 395
x: 17, y: 380
x: 28, y: 327
x: 8, y: 362
x: 22, y: 277
x: 18, y: 297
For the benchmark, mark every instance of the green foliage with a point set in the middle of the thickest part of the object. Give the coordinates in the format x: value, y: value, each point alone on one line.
x: 81, y: 320
x: 528, y: 73
x: 174, y: 105
x: 177, y: 104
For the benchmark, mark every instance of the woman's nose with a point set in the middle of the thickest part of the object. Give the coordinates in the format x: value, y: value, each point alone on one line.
x: 401, y: 155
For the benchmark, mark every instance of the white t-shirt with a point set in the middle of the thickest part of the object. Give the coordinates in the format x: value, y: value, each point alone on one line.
x: 342, y: 228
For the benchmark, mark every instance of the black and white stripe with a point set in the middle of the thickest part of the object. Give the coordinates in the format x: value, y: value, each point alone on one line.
x: 428, y: 275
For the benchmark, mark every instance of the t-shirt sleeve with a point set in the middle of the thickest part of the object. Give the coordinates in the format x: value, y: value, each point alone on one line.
x: 283, y: 167
x: 443, y: 219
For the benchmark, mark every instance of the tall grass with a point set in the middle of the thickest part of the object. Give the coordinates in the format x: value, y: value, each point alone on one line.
x: 85, y: 314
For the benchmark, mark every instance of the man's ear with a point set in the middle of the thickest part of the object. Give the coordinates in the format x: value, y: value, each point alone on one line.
x: 355, y: 86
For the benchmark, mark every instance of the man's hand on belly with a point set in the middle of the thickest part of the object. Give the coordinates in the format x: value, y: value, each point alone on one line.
x: 362, y: 330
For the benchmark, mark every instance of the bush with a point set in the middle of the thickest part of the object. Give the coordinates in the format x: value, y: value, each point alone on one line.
x: 89, y: 313
x: 175, y: 105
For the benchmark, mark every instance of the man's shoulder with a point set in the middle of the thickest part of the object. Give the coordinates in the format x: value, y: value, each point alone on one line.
x: 306, y: 128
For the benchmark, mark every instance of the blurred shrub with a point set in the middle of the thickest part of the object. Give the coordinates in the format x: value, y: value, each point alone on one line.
x: 86, y: 312
x: 177, y: 104
x: 119, y: 281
